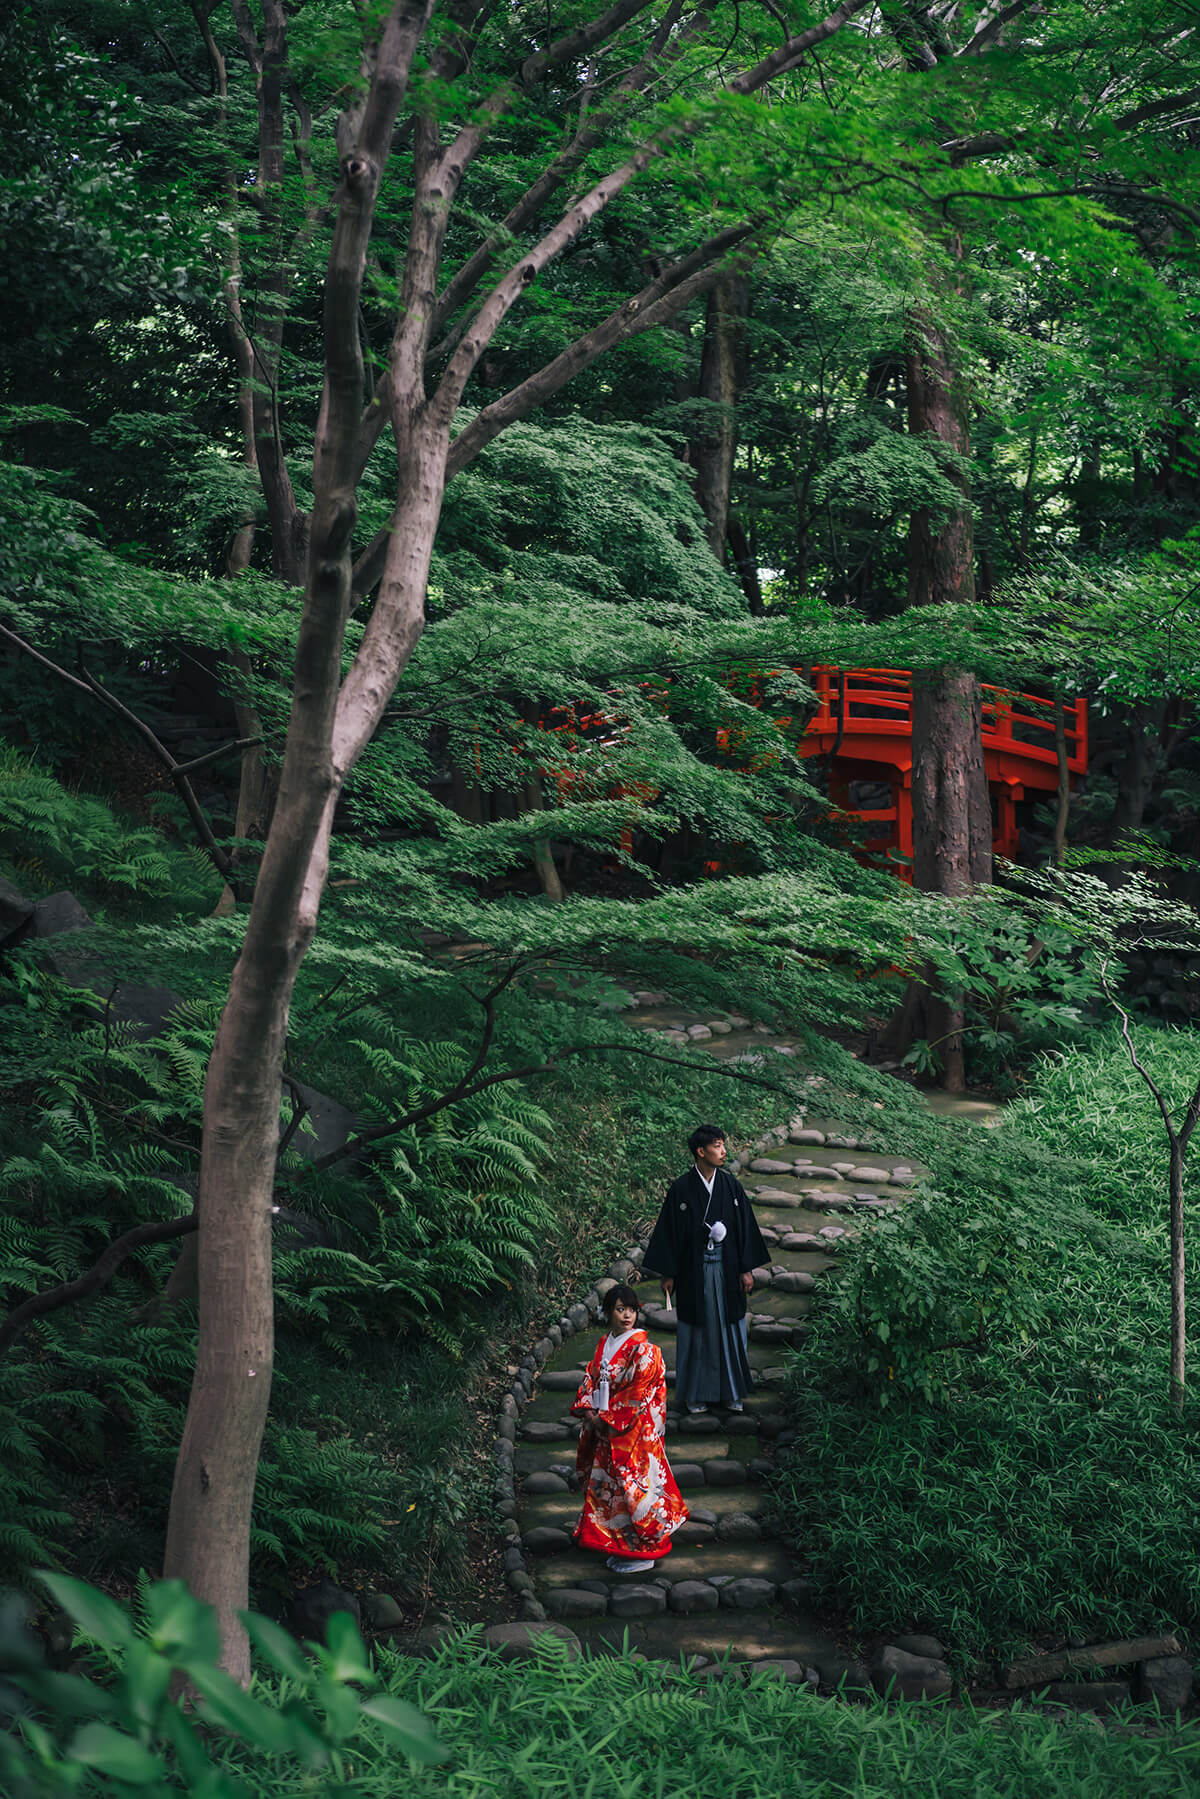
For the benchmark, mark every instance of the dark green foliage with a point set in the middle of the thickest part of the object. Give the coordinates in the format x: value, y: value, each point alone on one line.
x: 122, y: 1728
x: 463, y: 1722
x: 987, y: 1445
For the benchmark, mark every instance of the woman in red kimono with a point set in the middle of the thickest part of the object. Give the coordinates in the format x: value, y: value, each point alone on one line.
x: 631, y: 1504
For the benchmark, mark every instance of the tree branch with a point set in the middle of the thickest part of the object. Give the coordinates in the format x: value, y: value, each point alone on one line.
x: 97, y: 1276
x: 89, y: 684
x: 659, y: 300
x: 379, y: 1131
x: 991, y: 29
x: 1127, y: 1034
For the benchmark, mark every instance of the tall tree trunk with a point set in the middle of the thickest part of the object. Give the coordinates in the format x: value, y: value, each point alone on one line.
x: 722, y: 378
x: 212, y: 1495
x: 1178, y: 1270
x: 952, y: 817
x: 1135, y: 776
x: 549, y: 879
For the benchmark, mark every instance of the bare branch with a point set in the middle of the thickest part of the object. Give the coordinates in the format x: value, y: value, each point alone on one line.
x: 658, y: 301
x: 990, y: 30
x: 380, y: 1131
x: 205, y: 761
x: 536, y: 196
x: 89, y: 684
x: 1127, y: 1034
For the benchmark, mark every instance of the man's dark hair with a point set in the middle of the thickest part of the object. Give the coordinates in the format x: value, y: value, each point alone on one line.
x: 704, y: 1134
x: 615, y: 1296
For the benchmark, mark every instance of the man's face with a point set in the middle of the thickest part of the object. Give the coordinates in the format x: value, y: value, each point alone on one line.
x: 711, y: 1155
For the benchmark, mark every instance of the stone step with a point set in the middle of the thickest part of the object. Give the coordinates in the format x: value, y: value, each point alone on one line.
x: 764, y: 1361
x: 530, y: 1455
x: 561, y: 1510
x: 739, y: 1637
x: 554, y: 1406
x: 828, y: 1167
x: 765, y: 1561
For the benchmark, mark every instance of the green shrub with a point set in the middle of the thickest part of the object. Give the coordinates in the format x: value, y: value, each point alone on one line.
x: 1021, y: 1472
x: 463, y: 1723
x: 124, y: 1731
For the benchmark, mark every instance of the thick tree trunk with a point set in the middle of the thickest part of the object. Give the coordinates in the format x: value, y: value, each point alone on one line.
x: 1135, y: 776
x: 952, y: 820
x: 722, y: 378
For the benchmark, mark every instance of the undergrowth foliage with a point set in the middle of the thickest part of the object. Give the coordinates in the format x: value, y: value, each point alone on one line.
x: 463, y: 1722
x: 986, y: 1447
x: 100, y: 1133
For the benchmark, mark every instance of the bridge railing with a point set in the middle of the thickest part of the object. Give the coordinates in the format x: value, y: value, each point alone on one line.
x: 878, y: 702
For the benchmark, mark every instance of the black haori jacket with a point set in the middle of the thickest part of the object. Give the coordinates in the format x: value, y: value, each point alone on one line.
x: 676, y: 1247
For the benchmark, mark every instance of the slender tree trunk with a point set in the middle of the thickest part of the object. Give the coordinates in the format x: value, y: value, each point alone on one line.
x: 722, y: 378
x: 1063, y: 813
x: 952, y: 843
x: 745, y: 565
x: 1135, y: 776
x: 1178, y: 1297
x: 549, y: 879
x: 213, y: 1491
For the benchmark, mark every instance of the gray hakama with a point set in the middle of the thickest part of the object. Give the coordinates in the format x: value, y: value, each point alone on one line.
x: 711, y: 1363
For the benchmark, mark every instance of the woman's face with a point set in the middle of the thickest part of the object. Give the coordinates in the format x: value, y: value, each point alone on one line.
x: 623, y: 1317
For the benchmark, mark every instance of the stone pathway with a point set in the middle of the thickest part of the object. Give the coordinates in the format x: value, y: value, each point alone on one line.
x: 728, y: 1587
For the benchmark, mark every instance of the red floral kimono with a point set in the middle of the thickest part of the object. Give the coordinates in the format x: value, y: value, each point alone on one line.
x: 631, y: 1504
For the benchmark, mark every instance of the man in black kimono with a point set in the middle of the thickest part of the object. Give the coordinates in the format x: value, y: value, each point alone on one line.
x: 703, y: 1247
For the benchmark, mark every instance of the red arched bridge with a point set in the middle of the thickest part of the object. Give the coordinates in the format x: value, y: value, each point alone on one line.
x: 863, y: 724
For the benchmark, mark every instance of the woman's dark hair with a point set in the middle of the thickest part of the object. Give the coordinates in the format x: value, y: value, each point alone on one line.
x: 703, y: 1134
x: 618, y: 1295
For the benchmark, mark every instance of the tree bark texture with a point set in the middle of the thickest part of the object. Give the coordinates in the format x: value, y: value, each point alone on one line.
x: 1138, y: 768
x: 1178, y: 1269
x: 722, y: 378
x: 952, y: 815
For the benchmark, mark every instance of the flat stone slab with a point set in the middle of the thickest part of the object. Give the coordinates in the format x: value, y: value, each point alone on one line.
x: 637, y: 1600
x: 771, y: 1333
x: 794, y: 1280
x: 748, y: 1594
x: 1089, y: 1695
x: 791, y: 1672
x: 767, y: 1165
x: 738, y: 1527
x: 543, y: 1481
x: 560, y: 1380
x: 725, y: 1472
x: 688, y: 1596
x: 898, y: 1675
x: 576, y: 1602
x: 687, y: 1474
x: 547, y: 1539
x: 539, y: 1432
